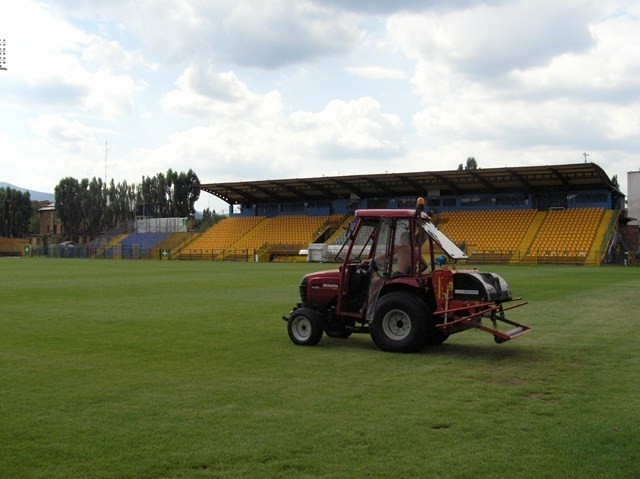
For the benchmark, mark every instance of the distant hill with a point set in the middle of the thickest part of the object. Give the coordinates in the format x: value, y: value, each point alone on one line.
x: 35, y: 195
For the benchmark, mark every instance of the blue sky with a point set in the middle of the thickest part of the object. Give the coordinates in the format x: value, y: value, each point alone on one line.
x: 264, y: 89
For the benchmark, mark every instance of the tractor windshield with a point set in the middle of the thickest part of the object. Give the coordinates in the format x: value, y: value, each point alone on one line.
x: 362, y: 241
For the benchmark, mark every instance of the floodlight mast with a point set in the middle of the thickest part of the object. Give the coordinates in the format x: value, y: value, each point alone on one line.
x: 3, y: 54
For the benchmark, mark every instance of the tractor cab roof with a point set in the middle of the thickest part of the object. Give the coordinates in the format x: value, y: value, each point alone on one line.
x: 385, y: 213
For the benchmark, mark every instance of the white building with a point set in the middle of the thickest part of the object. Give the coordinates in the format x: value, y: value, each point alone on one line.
x: 633, y: 196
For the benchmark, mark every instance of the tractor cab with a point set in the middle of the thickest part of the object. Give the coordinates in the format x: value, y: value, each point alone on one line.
x: 386, y: 248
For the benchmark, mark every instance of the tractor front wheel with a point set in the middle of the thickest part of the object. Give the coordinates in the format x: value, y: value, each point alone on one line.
x: 399, y: 323
x: 304, y: 327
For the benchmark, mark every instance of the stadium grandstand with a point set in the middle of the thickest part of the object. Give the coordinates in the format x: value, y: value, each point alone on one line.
x: 560, y: 214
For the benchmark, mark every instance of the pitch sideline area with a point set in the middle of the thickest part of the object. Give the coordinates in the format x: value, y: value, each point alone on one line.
x: 184, y: 369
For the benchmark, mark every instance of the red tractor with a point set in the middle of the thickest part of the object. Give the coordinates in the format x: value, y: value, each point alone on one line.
x: 386, y: 288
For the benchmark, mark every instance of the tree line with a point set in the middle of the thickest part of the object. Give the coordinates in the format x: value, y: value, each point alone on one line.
x: 88, y: 207
x: 16, y: 210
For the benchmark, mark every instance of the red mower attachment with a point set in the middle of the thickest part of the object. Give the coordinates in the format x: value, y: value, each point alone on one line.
x: 464, y: 298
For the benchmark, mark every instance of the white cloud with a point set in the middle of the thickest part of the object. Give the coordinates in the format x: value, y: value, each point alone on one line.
x: 258, y: 33
x: 109, y: 54
x: 298, y: 145
x: 205, y: 94
x: 279, y: 33
x: 527, y: 125
x: 377, y: 72
x: 220, y: 152
x: 66, y: 68
x: 33, y: 55
x: 54, y: 148
x: 354, y: 129
x: 491, y: 40
x: 64, y: 135
x: 608, y: 72
x: 388, y: 7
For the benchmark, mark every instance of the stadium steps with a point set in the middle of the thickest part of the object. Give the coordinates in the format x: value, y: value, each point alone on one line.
x: 329, y: 228
x: 173, y: 244
x: 109, y: 251
x: 521, y: 257
x: 338, y: 237
x: 602, y: 237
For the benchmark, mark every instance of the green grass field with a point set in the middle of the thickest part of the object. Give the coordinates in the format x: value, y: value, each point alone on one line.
x: 158, y: 369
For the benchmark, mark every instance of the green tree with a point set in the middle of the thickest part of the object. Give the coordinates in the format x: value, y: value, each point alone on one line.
x: 614, y: 181
x: 152, y: 196
x: 169, y: 195
x: 125, y: 204
x: 110, y: 214
x: 16, y: 211
x: 34, y: 222
x: 90, y: 207
x: 94, y: 206
x: 186, y: 192
x: 471, y: 164
x: 69, y: 206
x: 209, y: 218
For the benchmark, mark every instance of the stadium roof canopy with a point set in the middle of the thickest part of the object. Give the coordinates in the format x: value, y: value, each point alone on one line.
x: 571, y: 177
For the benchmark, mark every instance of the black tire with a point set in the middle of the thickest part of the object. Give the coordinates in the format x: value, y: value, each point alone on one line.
x: 304, y: 327
x: 336, y: 328
x: 337, y: 332
x: 400, y: 323
x: 436, y: 336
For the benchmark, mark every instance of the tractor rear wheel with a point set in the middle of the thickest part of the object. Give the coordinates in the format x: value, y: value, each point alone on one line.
x: 304, y: 327
x: 400, y: 323
x: 436, y: 336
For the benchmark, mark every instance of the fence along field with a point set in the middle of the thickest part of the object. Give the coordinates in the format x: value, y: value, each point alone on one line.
x: 184, y: 369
